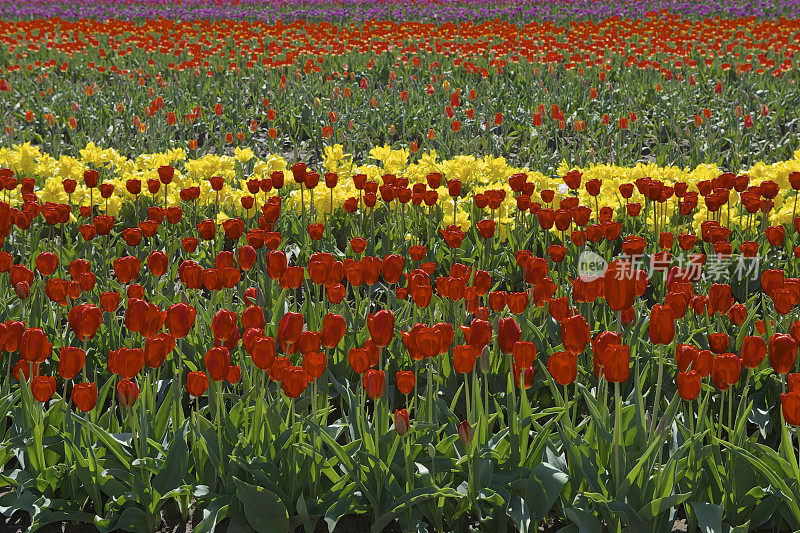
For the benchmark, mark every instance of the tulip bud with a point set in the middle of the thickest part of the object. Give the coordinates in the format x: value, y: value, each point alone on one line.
x: 483, y: 360
x: 23, y: 290
x: 401, y: 422
x: 465, y: 432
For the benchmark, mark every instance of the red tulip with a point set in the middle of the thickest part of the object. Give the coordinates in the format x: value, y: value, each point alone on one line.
x: 157, y: 348
x: 333, y: 329
x: 718, y: 342
x: 524, y: 353
x: 180, y: 319
x: 508, y: 334
x: 84, y: 396
x: 85, y: 320
x: 374, y: 383
x: 127, y: 392
x: 43, y: 387
x: 688, y: 385
x: 662, y: 325
x: 109, y: 301
x: 223, y: 324
x: 125, y: 268
x: 46, y: 263
x: 70, y: 361
x: 575, y: 333
x: 754, y: 349
x: 126, y: 362
x: 782, y: 352
x: 289, y: 329
x: 158, y: 263
x: 616, y: 363
x: 34, y: 346
x: 464, y: 357
x: 478, y: 334
x: 217, y: 361
x: 381, y: 327
x: 294, y: 382
x: 314, y: 364
x: 405, y: 379
x: 196, y: 383
x: 401, y: 422
x: 619, y: 285
x: 726, y: 370
x: 563, y: 366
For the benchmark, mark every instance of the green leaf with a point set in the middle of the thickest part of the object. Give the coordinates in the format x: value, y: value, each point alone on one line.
x: 586, y: 522
x: 175, y: 464
x: 213, y: 514
x: 264, y: 510
x: 519, y: 513
x: 411, y: 499
x: 544, y: 487
x: 709, y: 516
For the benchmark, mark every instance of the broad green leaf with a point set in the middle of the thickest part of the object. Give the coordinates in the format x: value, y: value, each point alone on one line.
x: 263, y: 509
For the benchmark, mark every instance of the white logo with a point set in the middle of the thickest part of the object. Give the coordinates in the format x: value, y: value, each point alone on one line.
x: 591, y: 265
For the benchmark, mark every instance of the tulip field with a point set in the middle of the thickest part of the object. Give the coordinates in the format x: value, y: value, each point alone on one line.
x: 404, y: 266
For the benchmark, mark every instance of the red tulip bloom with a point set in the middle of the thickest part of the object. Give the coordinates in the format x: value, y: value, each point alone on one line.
x: 207, y: 229
x: 217, y: 361
x: 754, y: 349
x: 600, y: 344
x: 34, y: 346
x: 84, y: 396
x: 374, y: 382
x: 718, y: 342
x: 196, y: 383
x: 46, y: 263
x: 401, y: 422
x: 127, y: 392
x: 263, y: 352
x: 726, y: 370
x: 508, y: 334
x: 110, y: 301
x: 314, y: 364
x: 619, y: 285
x: 662, y: 325
x: 70, y: 361
x: 688, y: 385
x: 616, y: 363
x: 478, y: 334
x: 782, y: 352
x: 563, y: 366
x: 333, y: 329
x: 405, y: 379
x: 156, y: 349
x: 464, y: 357
x: 253, y: 317
x: 294, y: 382
x: 392, y: 268
x: 85, y: 320
x: 43, y: 387
x: 524, y: 353
x: 126, y: 362
x: 223, y: 324
x: 289, y: 329
x: 180, y: 319
x: 358, y: 358
x: 158, y: 263
x: 575, y: 333
x: 381, y: 327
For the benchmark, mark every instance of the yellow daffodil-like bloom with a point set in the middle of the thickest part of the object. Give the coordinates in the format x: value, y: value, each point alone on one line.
x: 476, y: 174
